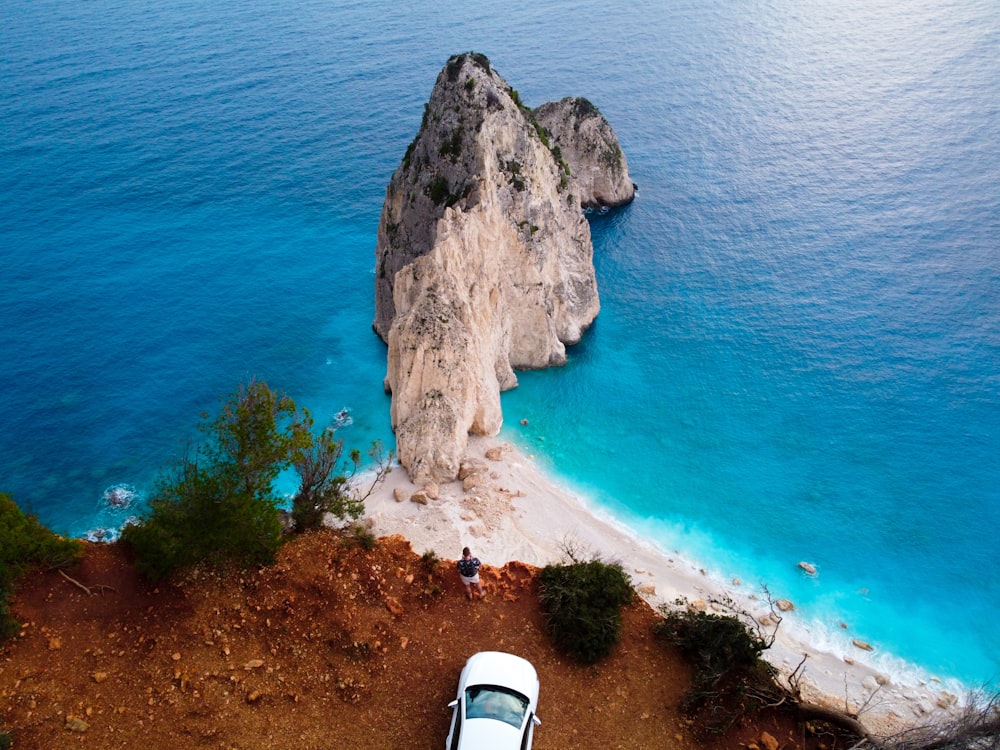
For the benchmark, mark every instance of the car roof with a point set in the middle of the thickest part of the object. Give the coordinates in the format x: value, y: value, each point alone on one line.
x: 483, y: 734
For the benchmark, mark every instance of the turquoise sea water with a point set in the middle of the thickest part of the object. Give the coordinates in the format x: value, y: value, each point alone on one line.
x: 798, y: 354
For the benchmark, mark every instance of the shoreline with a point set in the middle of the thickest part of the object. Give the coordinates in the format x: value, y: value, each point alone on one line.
x: 521, y: 513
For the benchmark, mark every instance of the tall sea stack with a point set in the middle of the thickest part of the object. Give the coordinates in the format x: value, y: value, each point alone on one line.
x: 484, y: 261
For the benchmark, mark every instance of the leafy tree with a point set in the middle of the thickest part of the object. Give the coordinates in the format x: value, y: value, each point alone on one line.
x: 582, y: 603
x: 324, y: 489
x: 255, y: 437
x: 25, y: 543
x: 221, y: 505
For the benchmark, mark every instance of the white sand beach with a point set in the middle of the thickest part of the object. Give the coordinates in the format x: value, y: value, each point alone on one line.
x: 520, y: 513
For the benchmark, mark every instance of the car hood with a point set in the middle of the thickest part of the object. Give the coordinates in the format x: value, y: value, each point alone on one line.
x: 489, y: 734
x: 498, y: 668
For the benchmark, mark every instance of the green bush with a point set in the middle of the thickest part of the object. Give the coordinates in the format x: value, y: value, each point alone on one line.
x: 729, y: 677
x: 452, y: 146
x: 365, y: 538
x: 481, y: 60
x: 6, y: 741
x: 582, y: 602
x: 26, y: 543
x: 454, y: 67
x: 439, y: 191
x: 8, y: 625
x: 198, y: 518
x: 716, y: 644
x: 584, y: 109
x: 430, y: 560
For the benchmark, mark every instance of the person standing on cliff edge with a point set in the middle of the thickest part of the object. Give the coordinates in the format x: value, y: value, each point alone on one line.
x: 468, y: 571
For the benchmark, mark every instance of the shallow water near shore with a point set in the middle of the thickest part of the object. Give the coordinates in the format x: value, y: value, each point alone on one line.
x: 798, y: 353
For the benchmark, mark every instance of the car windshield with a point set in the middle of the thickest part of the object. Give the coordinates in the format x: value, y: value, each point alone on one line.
x: 492, y: 702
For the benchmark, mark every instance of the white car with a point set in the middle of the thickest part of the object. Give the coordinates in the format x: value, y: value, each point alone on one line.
x: 496, y: 703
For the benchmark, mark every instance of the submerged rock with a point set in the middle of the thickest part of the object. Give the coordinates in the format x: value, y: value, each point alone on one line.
x: 484, y: 264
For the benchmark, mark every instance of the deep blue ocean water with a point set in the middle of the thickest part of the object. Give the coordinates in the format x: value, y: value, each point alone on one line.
x: 798, y: 354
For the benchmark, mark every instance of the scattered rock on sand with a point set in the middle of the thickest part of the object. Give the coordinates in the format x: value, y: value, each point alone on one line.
x: 472, y: 481
x: 399, y: 494
x: 947, y: 700
x: 784, y: 605
x: 863, y: 645
x: 74, y: 724
x: 496, y: 453
x: 419, y: 497
x: 471, y: 466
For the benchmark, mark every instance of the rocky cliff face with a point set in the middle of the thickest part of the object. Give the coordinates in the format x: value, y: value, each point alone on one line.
x: 597, y: 165
x: 484, y: 264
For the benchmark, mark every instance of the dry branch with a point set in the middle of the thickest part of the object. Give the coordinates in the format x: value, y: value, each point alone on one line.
x: 89, y: 589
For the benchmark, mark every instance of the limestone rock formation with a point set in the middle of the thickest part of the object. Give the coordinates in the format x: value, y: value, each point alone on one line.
x: 583, y: 137
x: 484, y: 264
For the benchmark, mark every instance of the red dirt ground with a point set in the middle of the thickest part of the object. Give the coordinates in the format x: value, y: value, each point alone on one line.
x: 331, y: 647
